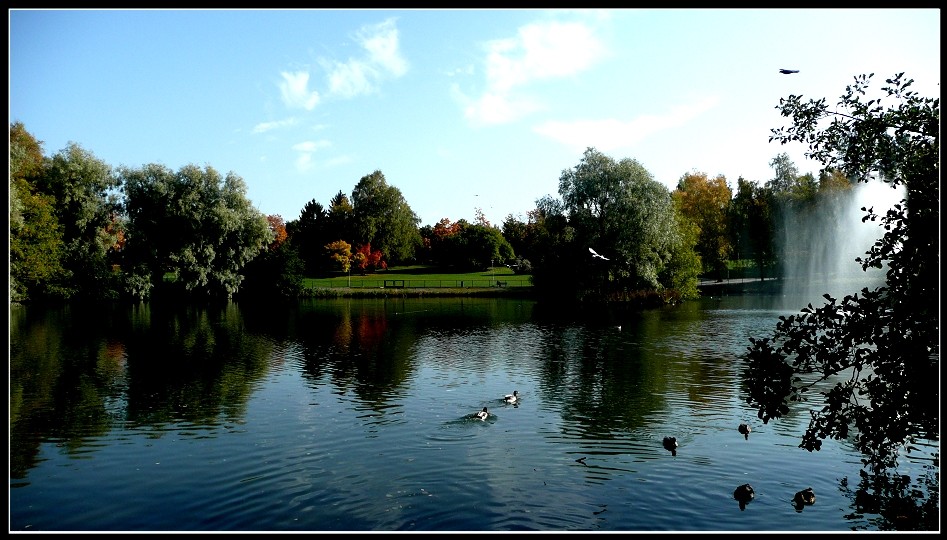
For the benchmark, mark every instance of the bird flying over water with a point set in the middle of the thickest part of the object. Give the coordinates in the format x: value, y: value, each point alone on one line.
x: 788, y: 71
x: 594, y: 254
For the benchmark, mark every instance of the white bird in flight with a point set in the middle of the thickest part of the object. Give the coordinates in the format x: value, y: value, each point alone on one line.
x: 594, y: 254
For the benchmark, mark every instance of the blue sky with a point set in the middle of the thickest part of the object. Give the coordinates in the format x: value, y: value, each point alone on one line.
x: 459, y: 109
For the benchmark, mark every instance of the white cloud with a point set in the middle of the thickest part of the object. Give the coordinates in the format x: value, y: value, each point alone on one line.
x: 339, y: 160
x: 295, y: 91
x: 381, y: 42
x: 497, y: 108
x: 357, y: 76
x: 304, y: 162
x: 311, y: 146
x: 263, y: 127
x: 351, y: 79
x: 610, y: 134
x: 361, y: 75
x: 306, y: 149
x: 540, y: 51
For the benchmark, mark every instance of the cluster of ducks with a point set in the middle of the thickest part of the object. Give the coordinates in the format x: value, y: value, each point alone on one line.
x: 744, y: 494
x: 484, y: 414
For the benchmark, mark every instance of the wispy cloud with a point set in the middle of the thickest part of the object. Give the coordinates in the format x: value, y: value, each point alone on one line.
x: 383, y: 59
x: 540, y: 51
x: 306, y: 149
x: 611, y: 134
x: 295, y: 91
x: 263, y: 127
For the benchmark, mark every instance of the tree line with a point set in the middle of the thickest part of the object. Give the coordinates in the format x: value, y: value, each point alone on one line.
x: 81, y: 229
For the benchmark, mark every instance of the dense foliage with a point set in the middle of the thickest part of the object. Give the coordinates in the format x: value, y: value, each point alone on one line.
x: 384, y: 219
x: 193, y: 224
x: 618, y: 210
x: 878, y: 349
x: 705, y: 202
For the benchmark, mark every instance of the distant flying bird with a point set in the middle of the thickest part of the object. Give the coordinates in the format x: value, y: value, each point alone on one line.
x: 594, y: 254
x: 788, y: 71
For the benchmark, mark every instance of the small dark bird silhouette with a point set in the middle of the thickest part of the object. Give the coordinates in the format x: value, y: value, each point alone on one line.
x: 745, y: 430
x: 804, y: 497
x: 788, y: 71
x: 670, y: 444
x: 744, y: 494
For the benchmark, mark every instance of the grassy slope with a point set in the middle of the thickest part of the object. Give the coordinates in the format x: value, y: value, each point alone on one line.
x: 423, y: 277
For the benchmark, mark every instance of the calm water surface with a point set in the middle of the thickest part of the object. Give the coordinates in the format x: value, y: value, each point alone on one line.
x: 351, y: 415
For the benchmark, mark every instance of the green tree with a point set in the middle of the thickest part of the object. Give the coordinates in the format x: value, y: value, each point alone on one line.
x: 786, y: 174
x: 683, y: 269
x: 384, y: 219
x: 619, y: 209
x: 194, y: 224
x: 706, y: 203
x: 277, y: 271
x: 753, y: 224
x: 476, y: 245
x: 341, y: 215
x: 36, y: 237
x: 87, y: 205
x: 878, y: 348
x: 309, y: 233
x: 556, y: 271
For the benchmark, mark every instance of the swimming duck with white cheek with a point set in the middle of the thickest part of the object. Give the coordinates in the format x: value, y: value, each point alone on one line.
x: 511, y: 398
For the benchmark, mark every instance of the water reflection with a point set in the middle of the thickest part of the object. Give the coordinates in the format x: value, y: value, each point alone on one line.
x: 353, y: 415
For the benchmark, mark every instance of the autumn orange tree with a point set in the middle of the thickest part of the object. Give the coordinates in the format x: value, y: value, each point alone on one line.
x: 278, y: 228
x: 706, y: 203
x: 368, y: 260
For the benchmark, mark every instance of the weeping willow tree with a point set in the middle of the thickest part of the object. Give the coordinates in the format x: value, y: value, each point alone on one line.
x: 193, y: 225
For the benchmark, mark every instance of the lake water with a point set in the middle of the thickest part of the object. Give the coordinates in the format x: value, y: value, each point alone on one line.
x: 350, y: 415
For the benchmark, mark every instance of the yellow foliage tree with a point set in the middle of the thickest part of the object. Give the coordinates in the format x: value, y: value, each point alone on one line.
x: 340, y: 252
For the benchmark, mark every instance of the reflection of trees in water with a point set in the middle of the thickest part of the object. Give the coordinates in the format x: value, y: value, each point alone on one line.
x: 593, y: 380
x: 355, y: 349
x: 368, y: 346
x: 77, y: 371
x: 192, y: 364
x: 58, y: 390
x: 898, y: 503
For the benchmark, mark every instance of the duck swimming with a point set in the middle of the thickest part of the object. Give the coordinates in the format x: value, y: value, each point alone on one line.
x: 745, y: 430
x: 744, y: 494
x: 511, y: 398
x: 670, y: 444
x: 482, y: 415
x: 804, y: 497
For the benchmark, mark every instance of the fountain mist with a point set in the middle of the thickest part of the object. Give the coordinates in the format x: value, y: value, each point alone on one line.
x: 819, y: 245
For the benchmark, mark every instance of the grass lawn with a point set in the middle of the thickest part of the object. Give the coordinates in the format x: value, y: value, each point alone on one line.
x: 413, y: 277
